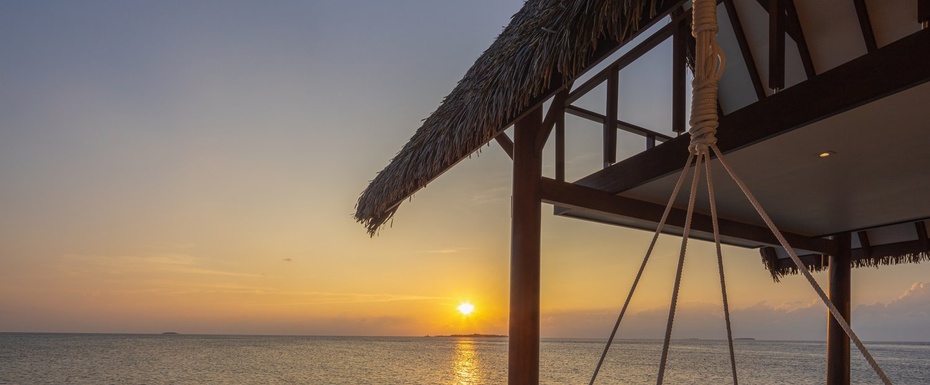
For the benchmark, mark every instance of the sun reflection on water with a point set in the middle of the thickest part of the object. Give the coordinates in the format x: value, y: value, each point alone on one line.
x: 466, y: 368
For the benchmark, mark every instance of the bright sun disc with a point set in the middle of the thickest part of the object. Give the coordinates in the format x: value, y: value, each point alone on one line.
x: 466, y: 308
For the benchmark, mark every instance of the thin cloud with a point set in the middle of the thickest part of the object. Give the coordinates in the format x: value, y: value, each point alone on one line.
x: 325, y: 298
x: 447, y: 251
x: 137, y: 264
x: 904, y: 318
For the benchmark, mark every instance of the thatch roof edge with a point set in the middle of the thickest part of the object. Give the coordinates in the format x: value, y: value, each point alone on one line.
x: 546, y: 38
x: 782, y: 267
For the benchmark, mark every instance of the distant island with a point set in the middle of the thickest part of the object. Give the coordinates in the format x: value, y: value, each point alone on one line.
x: 170, y: 333
x: 473, y: 335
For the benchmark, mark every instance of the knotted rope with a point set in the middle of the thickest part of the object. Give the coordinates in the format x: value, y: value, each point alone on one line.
x: 709, y: 63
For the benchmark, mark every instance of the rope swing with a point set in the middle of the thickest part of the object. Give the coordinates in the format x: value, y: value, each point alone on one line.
x: 709, y: 65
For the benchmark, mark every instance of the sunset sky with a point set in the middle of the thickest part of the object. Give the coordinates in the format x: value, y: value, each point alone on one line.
x: 193, y: 166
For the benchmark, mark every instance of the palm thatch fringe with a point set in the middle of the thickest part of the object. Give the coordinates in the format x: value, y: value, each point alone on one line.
x: 544, y: 38
x: 781, y: 267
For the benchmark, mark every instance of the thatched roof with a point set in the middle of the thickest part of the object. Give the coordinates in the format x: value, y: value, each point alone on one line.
x: 899, y: 244
x: 782, y: 267
x: 545, y: 39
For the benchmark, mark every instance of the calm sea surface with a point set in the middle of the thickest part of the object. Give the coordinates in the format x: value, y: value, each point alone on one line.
x: 191, y: 359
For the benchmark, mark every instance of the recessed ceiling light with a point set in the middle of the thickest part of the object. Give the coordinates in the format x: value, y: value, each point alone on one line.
x: 826, y: 154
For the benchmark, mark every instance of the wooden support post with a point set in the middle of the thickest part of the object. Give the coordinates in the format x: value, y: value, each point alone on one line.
x: 922, y: 235
x: 837, y: 340
x: 560, y: 147
x: 679, y: 67
x: 523, y: 361
x: 923, y: 12
x: 776, y: 45
x: 610, y: 122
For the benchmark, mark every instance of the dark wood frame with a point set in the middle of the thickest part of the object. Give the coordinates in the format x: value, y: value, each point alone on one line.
x: 822, y: 95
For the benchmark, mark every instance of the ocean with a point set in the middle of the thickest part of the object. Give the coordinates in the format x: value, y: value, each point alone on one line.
x: 213, y: 359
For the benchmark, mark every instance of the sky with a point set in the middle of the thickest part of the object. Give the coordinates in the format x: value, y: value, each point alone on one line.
x: 192, y: 166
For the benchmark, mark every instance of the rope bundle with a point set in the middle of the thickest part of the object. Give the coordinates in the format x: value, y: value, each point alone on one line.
x: 708, y: 67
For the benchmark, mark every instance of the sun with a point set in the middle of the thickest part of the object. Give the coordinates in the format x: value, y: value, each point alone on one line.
x: 466, y: 308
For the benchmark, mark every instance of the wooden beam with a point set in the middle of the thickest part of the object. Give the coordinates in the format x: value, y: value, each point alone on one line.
x: 923, y: 12
x: 840, y: 285
x: 570, y: 195
x: 556, y: 112
x: 506, y: 143
x: 891, y: 249
x: 840, y: 89
x: 605, y: 48
x: 610, y: 128
x: 744, y: 49
x: 776, y: 45
x: 560, y: 146
x: 634, y: 53
x: 523, y: 359
x: 806, y: 61
x: 865, y: 25
x: 921, y: 228
x: 864, y: 243
x: 856, y: 254
x: 622, y: 125
x: 793, y: 30
x: 679, y: 83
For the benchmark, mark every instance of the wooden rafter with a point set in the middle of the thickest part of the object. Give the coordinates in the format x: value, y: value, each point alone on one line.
x: 610, y: 128
x: 574, y: 196
x: 793, y: 30
x: 634, y: 53
x: 620, y: 124
x: 605, y: 47
x: 776, y: 45
x: 806, y: 61
x: 560, y: 148
x: 553, y: 116
x: 865, y: 25
x: 679, y: 69
x: 849, y: 85
x: 791, y: 25
x: 744, y: 49
x: 922, y: 235
x: 506, y: 143
x: 864, y: 243
x: 923, y: 12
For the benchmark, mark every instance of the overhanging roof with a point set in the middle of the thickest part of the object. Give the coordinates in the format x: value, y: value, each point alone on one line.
x: 865, y: 106
x: 547, y: 43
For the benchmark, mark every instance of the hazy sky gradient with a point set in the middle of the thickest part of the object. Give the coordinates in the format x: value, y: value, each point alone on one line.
x: 193, y: 166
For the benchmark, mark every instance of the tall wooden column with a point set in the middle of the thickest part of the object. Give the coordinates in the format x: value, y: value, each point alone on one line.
x: 523, y: 359
x: 837, y: 340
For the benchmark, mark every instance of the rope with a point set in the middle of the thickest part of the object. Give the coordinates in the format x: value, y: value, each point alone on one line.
x: 803, y: 269
x: 708, y: 67
x: 681, y: 264
x: 723, y: 283
x: 639, y: 274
